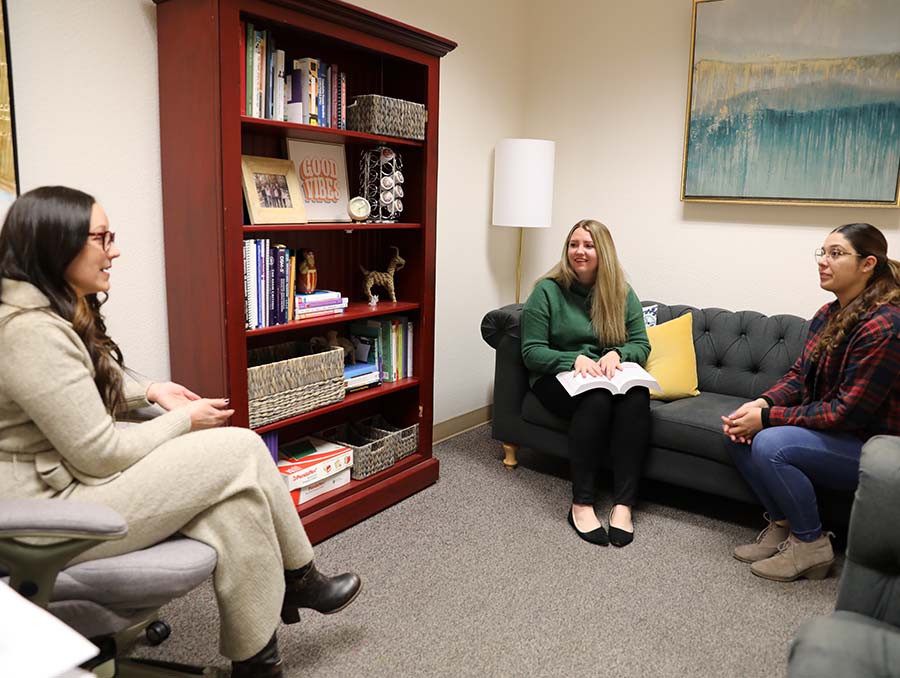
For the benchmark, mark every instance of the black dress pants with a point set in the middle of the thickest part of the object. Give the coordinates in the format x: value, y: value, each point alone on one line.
x: 601, y: 424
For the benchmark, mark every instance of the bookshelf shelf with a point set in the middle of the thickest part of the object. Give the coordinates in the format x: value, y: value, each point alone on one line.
x: 203, y: 134
x: 355, y: 311
x: 292, y: 130
x: 352, y: 399
x: 341, y: 226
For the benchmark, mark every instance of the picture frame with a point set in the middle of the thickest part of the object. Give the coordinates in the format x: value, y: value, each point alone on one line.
x: 782, y: 109
x: 322, y: 171
x: 272, y: 191
x: 9, y: 169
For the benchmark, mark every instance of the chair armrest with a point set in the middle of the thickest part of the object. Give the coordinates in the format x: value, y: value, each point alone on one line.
x: 141, y: 414
x: 501, y: 322
x: 59, y: 518
x: 869, y: 583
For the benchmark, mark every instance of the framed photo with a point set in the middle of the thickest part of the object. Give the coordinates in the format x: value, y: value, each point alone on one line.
x: 272, y: 191
x: 794, y: 102
x: 9, y: 183
x: 322, y: 169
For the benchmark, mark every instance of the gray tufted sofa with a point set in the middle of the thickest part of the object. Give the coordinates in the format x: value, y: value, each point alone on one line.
x: 739, y: 355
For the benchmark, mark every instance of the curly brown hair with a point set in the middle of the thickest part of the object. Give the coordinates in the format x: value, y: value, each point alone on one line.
x: 882, y: 288
x: 44, y: 231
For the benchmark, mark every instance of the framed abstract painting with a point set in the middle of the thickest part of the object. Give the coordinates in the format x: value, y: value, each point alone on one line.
x: 794, y: 102
x: 9, y: 184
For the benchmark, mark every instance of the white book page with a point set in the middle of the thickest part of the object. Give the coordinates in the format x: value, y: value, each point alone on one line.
x: 630, y: 375
x: 26, y: 631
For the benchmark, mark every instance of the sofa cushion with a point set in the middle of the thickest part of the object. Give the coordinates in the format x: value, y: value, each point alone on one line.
x: 693, y: 425
x: 535, y: 413
x: 672, y: 361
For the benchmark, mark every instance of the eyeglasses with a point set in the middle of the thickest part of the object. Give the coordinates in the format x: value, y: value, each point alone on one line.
x: 833, y: 254
x: 106, y: 239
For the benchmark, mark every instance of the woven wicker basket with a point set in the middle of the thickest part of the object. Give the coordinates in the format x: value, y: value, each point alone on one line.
x: 376, y: 114
x: 405, y: 440
x: 281, y: 384
x: 369, y: 456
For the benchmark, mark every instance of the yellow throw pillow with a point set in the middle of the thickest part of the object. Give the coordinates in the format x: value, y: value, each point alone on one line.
x: 672, y: 360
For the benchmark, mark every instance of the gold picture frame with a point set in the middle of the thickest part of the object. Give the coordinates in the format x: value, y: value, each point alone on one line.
x: 782, y: 110
x: 9, y: 183
x: 272, y: 191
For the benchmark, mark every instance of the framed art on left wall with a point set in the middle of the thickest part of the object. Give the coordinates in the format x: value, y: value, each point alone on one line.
x: 9, y: 181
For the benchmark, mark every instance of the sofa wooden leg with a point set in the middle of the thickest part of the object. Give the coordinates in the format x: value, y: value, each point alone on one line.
x: 510, y: 461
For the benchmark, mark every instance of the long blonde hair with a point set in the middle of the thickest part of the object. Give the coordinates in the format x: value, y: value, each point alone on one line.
x: 610, y: 287
x: 882, y: 288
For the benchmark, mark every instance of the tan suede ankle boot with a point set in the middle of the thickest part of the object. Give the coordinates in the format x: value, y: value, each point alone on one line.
x: 797, y: 559
x: 766, y: 544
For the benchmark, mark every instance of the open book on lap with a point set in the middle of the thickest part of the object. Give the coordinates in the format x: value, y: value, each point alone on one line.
x: 629, y: 376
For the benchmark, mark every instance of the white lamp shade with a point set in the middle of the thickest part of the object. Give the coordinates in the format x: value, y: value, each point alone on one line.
x: 523, y: 182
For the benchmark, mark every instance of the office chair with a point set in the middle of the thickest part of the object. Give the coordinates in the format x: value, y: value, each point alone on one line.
x: 109, y: 600
x: 862, y: 636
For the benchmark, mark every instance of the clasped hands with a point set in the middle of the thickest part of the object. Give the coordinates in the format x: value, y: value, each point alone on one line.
x: 606, y: 366
x: 745, y: 422
x: 204, y: 412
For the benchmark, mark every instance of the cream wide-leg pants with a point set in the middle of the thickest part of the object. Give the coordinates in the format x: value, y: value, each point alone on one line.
x: 220, y: 487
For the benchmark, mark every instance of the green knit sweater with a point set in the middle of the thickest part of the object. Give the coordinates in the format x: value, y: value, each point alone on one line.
x: 556, y: 329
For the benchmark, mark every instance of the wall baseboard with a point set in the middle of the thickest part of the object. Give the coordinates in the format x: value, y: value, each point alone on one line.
x: 461, y: 424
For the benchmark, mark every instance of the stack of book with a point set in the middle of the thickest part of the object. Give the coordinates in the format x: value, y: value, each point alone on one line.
x: 311, y: 466
x: 393, y: 336
x: 270, y: 282
x: 270, y: 82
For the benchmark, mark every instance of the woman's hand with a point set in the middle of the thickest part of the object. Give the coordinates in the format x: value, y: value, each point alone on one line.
x: 170, y: 395
x: 745, y: 422
x: 609, y: 363
x: 586, y: 366
x: 208, y: 413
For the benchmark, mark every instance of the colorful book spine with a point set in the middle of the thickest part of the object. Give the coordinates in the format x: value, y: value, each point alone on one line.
x: 278, y: 112
x: 249, y: 47
x: 317, y: 296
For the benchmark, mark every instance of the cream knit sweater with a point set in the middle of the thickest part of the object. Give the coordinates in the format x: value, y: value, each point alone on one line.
x: 53, y: 424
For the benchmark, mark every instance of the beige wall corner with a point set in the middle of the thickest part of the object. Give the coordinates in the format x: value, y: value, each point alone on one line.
x: 462, y: 423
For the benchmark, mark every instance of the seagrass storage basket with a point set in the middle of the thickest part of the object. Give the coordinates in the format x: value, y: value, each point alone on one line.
x: 376, y: 114
x: 369, y: 455
x: 282, y: 383
x: 405, y: 440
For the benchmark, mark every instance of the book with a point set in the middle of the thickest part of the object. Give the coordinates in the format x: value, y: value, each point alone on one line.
x: 319, y: 295
x: 629, y: 376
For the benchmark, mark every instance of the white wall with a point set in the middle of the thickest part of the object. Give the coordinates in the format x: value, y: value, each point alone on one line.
x: 606, y: 79
x: 609, y: 83
x: 87, y: 115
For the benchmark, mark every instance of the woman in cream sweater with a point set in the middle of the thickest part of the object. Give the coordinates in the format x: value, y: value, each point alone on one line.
x: 62, y: 383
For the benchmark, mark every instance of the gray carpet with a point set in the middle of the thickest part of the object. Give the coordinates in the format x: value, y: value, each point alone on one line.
x: 480, y: 575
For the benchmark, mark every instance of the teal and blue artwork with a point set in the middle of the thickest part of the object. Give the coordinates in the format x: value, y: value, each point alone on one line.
x: 794, y: 101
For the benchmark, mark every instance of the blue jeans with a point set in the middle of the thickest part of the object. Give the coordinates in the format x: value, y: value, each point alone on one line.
x: 782, y: 464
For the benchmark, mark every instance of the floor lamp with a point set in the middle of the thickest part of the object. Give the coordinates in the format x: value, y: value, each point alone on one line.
x: 523, y: 187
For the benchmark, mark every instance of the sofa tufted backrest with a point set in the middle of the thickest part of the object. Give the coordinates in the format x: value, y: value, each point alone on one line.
x: 740, y: 353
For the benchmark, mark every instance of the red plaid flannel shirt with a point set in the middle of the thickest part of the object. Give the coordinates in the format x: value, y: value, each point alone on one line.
x: 853, y: 389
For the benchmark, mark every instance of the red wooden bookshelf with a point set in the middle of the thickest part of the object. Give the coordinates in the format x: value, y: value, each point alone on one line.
x: 203, y: 136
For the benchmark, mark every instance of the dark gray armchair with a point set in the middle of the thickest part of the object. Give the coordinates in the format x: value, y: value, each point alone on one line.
x: 109, y: 600
x: 862, y: 636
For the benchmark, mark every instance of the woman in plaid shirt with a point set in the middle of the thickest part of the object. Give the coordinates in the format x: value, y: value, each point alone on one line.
x: 809, y: 428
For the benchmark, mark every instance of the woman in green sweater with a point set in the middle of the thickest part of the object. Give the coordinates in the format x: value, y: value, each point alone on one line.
x: 584, y: 316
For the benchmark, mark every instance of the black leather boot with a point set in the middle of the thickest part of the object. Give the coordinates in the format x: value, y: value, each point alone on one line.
x: 309, y: 588
x: 264, y: 664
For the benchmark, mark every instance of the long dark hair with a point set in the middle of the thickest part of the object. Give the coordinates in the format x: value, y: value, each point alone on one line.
x: 882, y: 288
x: 44, y: 231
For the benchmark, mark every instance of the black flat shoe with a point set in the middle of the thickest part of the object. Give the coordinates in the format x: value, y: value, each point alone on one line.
x: 597, y: 536
x: 618, y: 536
x: 316, y: 591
